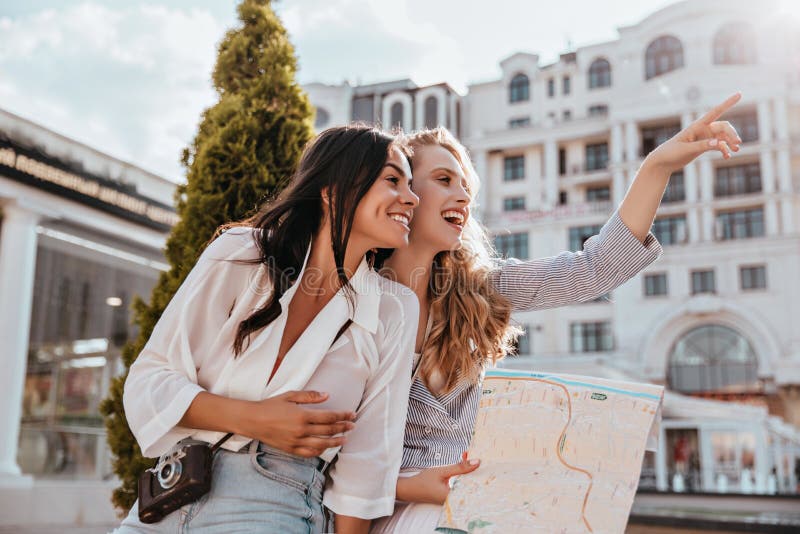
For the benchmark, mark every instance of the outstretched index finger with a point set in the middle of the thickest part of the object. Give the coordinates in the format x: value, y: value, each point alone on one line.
x: 717, y: 111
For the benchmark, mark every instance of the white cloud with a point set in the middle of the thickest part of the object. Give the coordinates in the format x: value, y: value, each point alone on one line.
x: 369, y: 41
x: 129, y: 80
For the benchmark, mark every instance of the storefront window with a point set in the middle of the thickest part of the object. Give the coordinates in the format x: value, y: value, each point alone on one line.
x: 733, y: 454
x: 683, y: 460
x: 79, y: 323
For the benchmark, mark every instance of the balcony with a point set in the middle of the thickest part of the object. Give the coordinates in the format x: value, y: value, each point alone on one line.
x: 566, y: 212
x: 585, y: 175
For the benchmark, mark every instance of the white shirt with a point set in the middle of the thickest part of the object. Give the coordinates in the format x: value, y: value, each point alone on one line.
x: 367, y: 370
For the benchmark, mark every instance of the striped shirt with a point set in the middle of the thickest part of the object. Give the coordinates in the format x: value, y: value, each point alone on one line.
x: 439, y: 428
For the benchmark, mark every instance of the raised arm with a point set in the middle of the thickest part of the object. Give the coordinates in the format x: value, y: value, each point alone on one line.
x: 624, y: 246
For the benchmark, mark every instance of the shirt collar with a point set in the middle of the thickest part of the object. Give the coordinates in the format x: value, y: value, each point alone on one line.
x: 366, y: 294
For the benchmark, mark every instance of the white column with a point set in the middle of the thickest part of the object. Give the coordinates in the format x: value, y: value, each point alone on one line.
x: 533, y: 167
x: 771, y: 217
x: 768, y: 185
x: 781, y: 117
x: 551, y: 173
x: 706, y: 232
x: 17, y: 270
x: 693, y: 212
x: 618, y: 188
x: 766, y: 162
x: 787, y: 216
x: 492, y: 203
x: 479, y: 161
x: 706, y: 179
x: 784, y: 170
x: 764, y: 122
x: 693, y: 224
x: 690, y: 182
x: 631, y: 142
x: 785, y: 185
x: 662, y: 482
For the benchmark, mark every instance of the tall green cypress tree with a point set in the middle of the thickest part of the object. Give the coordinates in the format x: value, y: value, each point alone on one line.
x: 246, y: 147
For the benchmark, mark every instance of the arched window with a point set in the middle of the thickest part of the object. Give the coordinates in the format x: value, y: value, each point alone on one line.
x: 519, y: 89
x: 599, y: 73
x: 735, y: 44
x: 663, y: 55
x: 431, y: 112
x: 396, y: 115
x: 713, y: 358
x: 322, y: 118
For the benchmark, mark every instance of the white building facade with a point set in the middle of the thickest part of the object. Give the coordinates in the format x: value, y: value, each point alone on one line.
x: 82, y: 235
x: 557, y: 147
x: 400, y: 103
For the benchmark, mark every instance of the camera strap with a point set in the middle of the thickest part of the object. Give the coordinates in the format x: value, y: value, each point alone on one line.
x: 228, y: 436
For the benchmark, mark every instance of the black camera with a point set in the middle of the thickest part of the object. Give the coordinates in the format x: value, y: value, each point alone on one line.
x: 180, y: 477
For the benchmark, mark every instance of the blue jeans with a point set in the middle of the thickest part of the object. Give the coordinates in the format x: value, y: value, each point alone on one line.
x: 262, y: 490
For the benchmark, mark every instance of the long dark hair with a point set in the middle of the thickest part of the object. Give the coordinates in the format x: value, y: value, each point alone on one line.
x: 346, y: 160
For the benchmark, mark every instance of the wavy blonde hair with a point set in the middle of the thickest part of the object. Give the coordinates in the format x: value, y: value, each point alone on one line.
x: 470, y: 318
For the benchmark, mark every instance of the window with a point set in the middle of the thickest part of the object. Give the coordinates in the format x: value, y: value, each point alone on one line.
x: 654, y: 136
x: 596, y: 156
x: 514, y: 168
x: 566, y: 115
x: 663, y: 55
x: 364, y: 109
x: 598, y: 110
x: 738, y: 180
x: 80, y: 320
x: 746, y: 125
x: 519, y: 89
x: 655, y: 284
x: 562, y: 198
x: 551, y: 88
x: 579, y: 234
x: 566, y: 85
x: 591, y: 337
x: 599, y: 74
x: 740, y: 224
x: 512, y: 245
x: 322, y: 118
x: 713, y: 358
x: 703, y: 282
x: 396, y: 115
x: 562, y: 161
x: 598, y: 194
x: 431, y: 112
x: 514, y: 204
x: 735, y: 44
x: 670, y: 230
x: 519, y: 123
x: 754, y: 277
x: 675, y: 191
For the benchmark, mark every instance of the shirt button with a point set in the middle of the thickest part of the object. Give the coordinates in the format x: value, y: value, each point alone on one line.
x: 437, y: 456
x: 427, y: 430
x: 455, y: 426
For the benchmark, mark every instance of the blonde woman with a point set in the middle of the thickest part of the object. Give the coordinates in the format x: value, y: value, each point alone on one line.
x: 466, y: 296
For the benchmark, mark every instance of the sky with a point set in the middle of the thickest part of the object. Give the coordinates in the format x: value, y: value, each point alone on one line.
x: 131, y: 78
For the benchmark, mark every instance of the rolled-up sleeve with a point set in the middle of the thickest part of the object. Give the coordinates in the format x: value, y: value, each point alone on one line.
x: 363, y: 479
x: 607, y: 260
x: 162, y: 382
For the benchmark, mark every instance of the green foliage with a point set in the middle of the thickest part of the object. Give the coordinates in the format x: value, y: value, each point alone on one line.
x: 246, y: 147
